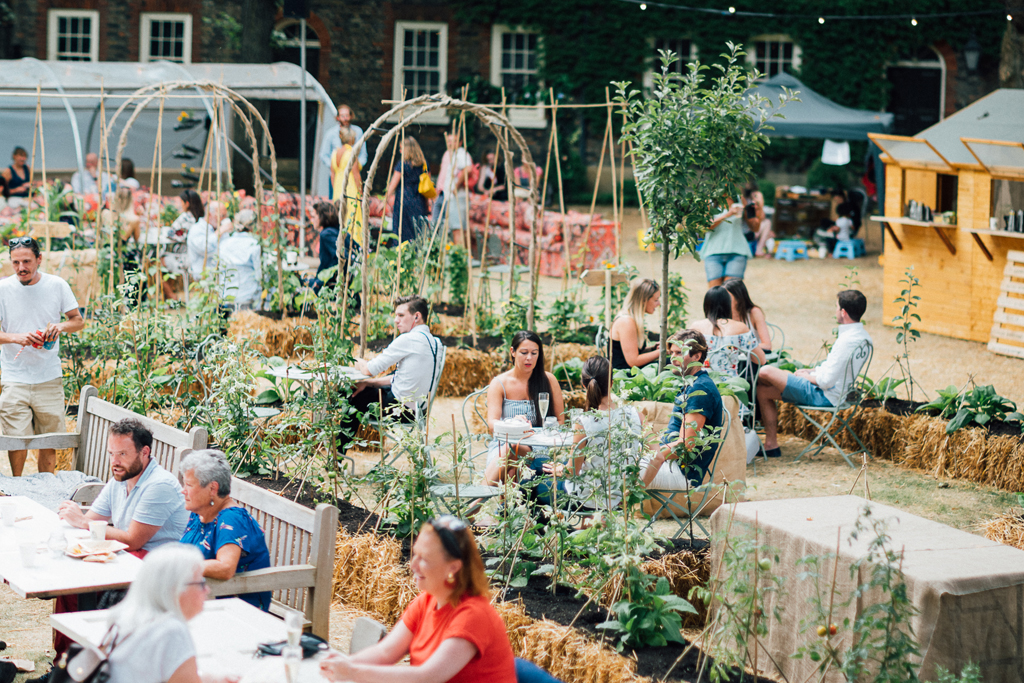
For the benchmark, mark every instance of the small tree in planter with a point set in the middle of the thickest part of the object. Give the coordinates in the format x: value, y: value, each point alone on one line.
x: 695, y: 141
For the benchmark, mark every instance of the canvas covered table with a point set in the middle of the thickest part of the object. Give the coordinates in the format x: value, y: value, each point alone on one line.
x: 969, y: 591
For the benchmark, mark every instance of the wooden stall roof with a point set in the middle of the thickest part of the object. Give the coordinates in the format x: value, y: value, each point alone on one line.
x: 997, y: 117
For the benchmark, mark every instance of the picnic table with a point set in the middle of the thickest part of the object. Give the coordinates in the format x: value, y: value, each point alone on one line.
x: 53, y: 576
x: 225, y: 634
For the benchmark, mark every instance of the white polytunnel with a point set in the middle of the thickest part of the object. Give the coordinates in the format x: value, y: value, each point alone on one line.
x: 70, y: 106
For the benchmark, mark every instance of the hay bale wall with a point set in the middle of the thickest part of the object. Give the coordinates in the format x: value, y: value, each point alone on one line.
x: 1007, y: 529
x: 920, y: 442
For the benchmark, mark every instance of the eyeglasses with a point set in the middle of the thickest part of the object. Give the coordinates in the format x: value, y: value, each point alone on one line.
x: 446, y: 527
x: 21, y: 242
x: 201, y: 583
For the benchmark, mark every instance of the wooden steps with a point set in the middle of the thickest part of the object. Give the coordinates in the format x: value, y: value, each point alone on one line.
x: 1007, y: 336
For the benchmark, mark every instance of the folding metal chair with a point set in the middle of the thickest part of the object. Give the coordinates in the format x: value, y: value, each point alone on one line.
x: 666, y: 497
x: 853, y: 399
x: 421, y: 412
x: 449, y: 498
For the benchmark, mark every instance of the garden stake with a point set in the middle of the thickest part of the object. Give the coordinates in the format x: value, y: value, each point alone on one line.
x: 605, y: 142
x: 455, y: 462
x: 558, y: 173
x: 754, y: 634
x: 468, y: 310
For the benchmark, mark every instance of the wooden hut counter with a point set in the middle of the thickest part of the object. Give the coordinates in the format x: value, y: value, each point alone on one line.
x: 954, y: 209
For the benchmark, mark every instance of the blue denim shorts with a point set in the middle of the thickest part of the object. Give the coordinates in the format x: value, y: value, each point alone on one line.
x: 804, y: 392
x: 717, y: 266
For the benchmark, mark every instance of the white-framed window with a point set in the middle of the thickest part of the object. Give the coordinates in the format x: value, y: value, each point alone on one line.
x: 686, y: 52
x: 421, y: 63
x: 773, y: 54
x: 73, y: 35
x: 165, y: 36
x: 515, y: 66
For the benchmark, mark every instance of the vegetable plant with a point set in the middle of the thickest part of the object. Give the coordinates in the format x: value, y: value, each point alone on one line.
x: 650, y: 617
x: 978, y: 406
x: 647, y: 384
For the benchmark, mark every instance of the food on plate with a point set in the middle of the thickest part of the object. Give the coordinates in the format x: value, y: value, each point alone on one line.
x: 102, y: 557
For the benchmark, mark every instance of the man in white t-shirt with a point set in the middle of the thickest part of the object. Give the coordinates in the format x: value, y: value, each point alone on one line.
x: 31, y: 307
x: 451, y: 184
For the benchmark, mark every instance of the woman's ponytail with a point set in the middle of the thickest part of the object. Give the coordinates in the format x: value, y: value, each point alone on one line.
x: 595, y: 380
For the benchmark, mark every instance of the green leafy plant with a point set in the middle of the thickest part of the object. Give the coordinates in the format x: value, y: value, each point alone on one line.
x: 883, y: 389
x: 678, y: 301
x: 651, y: 616
x: 565, y: 316
x: 695, y: 140
x: 904, y: 322
x: 457, y: 275
x: 647, y: 384
x: 571, y: 371
x: 978, y: 406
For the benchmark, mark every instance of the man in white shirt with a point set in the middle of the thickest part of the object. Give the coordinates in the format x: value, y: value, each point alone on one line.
x: 203, y: 239
x: 332, y: 141
x: 31, y: 307
x: 451, y: 185
x: 88, y: 183
x: 825, y: 385
x: 415, y: 352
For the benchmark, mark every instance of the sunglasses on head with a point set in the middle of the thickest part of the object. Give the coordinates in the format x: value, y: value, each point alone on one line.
x: 446, y: 527
x: 21, y: 242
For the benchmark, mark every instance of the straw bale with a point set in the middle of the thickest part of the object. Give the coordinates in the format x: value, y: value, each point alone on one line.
x: 369, y: 574
x: 272, y: 337
x: 569, y: 655
x: 559, y: 353
x: 66, y: 456
x: 465, y: 371
x: 1007, y: 529
x: 443, y: 325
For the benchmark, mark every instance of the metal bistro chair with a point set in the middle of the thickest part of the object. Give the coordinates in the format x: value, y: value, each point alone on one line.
x: 448, y: 499
x: 777, y: 338
x: 854, y: 397
x: 666, y: 497
x: 421, y: 412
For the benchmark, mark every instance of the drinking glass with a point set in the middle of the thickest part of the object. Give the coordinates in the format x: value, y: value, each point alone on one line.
x: 57, y: 543
x: 550, y: 425
x: 543, y: 398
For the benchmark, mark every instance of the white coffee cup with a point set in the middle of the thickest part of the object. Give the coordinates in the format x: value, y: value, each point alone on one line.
x: 98, y: 530
x: 28, y: 550
x: 8, y: 511
x: 292, y: 257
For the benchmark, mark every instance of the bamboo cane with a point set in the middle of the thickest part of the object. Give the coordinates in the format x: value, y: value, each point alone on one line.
x: 558, y: 172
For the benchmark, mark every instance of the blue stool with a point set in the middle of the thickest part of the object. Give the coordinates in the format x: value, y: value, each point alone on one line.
x: 850, y: 249
x: 791, y: 249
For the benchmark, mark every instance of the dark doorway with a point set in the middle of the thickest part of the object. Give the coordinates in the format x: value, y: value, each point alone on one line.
x: 915, y: 98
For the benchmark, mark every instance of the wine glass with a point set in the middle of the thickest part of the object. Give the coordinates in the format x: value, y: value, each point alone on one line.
x: 543, y: 399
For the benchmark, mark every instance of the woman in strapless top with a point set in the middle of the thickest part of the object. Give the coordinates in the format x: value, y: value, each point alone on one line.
x: 513, y: 395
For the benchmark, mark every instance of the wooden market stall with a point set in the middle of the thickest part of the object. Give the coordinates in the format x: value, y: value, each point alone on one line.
x: 968, y: 170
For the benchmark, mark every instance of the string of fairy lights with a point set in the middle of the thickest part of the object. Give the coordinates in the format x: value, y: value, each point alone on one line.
x: 821, y: 18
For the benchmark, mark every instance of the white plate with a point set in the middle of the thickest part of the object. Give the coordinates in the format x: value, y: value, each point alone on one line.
x: 89, y: 547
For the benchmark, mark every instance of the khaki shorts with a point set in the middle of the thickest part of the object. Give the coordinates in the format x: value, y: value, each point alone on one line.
x: 27, y: 409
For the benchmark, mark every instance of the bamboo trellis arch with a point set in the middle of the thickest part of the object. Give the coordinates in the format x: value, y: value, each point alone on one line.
x: 245, y: 112
x: 494, y: 121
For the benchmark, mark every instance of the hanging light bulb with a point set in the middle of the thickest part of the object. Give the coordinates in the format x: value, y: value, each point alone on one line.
x: 913, y: 22
x: 1009, y: 17
x: 821, y: 20
x: 732, y: 10
x: 643, y: 5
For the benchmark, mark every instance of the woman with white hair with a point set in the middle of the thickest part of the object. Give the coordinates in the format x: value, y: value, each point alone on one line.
x: 227, y: 535
x: 151, y: 640
x: 241, y: 262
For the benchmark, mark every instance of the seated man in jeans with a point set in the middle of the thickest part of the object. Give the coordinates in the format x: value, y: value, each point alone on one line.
x: 826, y: 385
x: 416, y: 355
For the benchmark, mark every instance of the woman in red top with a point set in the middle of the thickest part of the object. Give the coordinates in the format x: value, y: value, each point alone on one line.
x: 450, y: 631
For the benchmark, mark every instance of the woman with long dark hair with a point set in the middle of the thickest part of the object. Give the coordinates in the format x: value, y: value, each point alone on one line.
x: 747, y: 312
x: 729, y: 341
x: 591, y: 443
x: 516, y: 394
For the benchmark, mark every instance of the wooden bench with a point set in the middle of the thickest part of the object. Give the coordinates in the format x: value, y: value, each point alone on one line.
x: 301, y: 543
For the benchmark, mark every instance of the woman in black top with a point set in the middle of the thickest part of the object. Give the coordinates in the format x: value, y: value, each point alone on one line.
x: 410, y: 205
x: 629, y: 336
x: 17, y: 174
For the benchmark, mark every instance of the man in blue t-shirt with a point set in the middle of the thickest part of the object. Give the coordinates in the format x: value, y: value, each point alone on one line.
x: 698, y: 406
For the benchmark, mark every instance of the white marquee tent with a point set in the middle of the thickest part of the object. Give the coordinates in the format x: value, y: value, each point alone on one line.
x: 71, y: 107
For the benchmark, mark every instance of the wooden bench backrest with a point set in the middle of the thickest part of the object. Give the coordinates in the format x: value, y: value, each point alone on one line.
x: 295, y: 535
x: 95, y: 416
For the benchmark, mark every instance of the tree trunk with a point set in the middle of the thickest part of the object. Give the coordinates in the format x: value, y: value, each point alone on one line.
x: 665, y: 302
x: 257, y: 25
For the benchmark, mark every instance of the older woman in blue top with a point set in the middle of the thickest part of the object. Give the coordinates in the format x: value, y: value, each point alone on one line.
x: 229, y: 538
